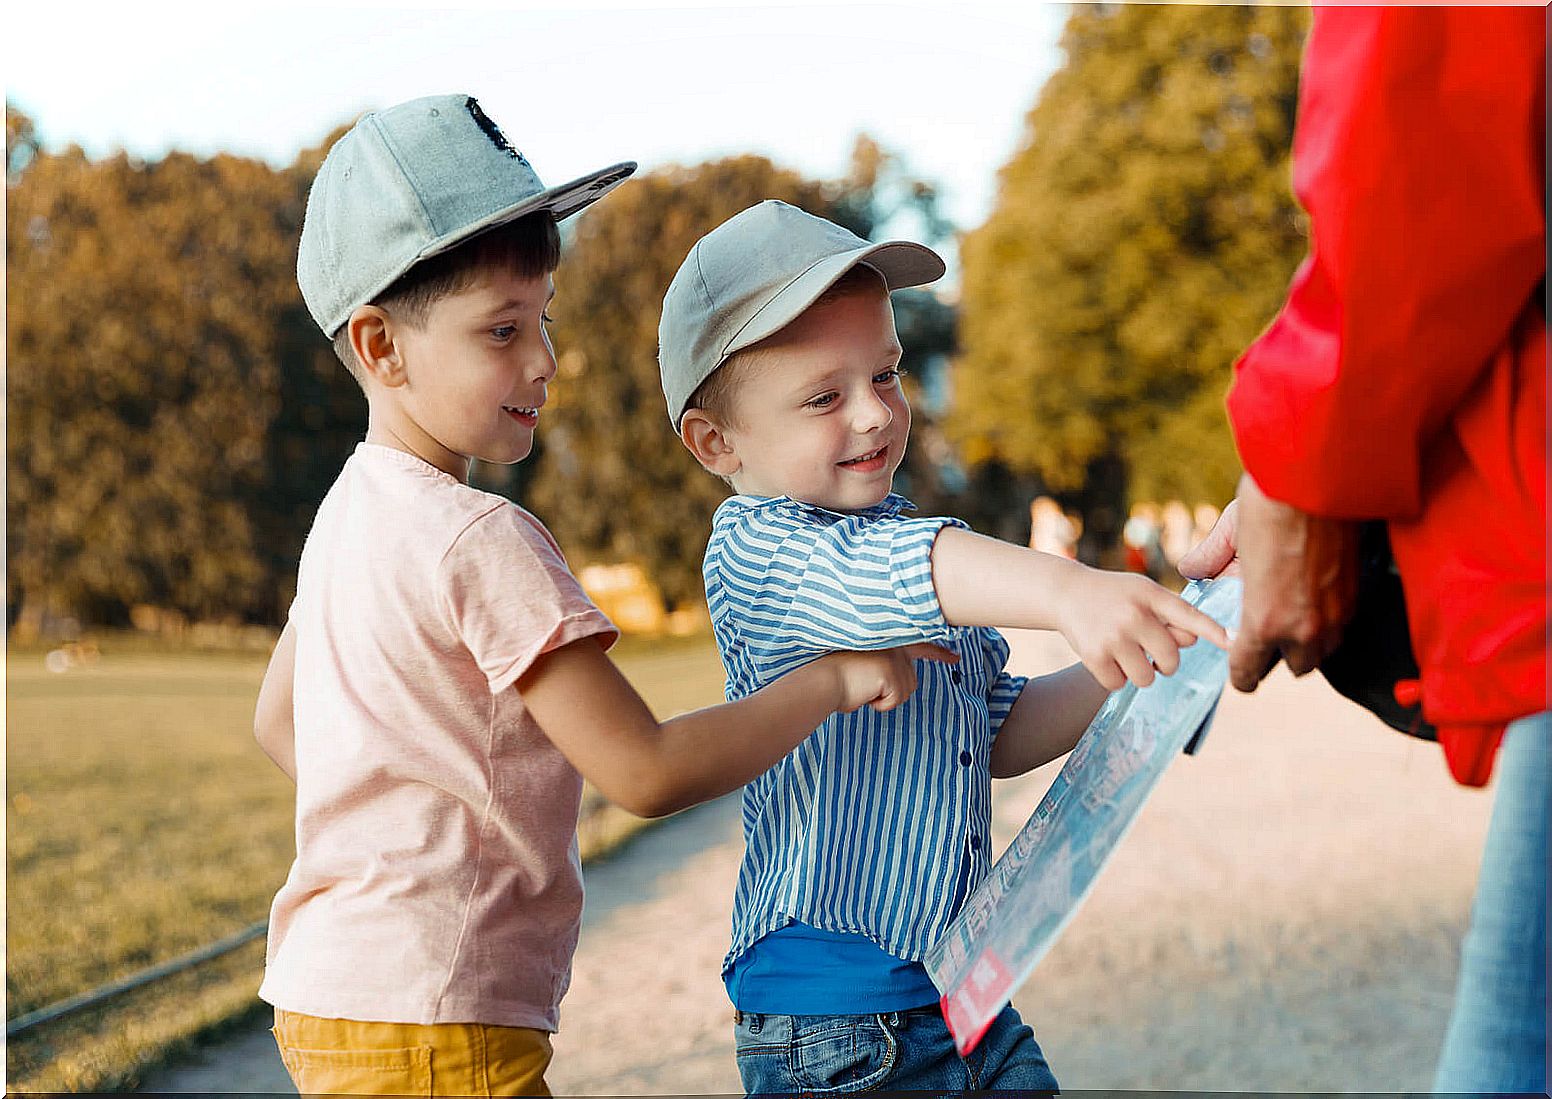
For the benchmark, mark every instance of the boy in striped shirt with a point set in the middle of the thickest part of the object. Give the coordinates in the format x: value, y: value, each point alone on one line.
x: 780, y: 364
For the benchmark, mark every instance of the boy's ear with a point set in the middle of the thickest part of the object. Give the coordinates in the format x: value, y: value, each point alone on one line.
x: 371, y: 338
x: 705, y: 438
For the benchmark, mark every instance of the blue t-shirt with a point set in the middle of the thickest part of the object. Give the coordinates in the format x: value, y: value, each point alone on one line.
x: 801, y: 970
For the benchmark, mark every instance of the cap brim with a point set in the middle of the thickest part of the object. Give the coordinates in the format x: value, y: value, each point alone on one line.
x: 561, y: 201
x: 902, y: 263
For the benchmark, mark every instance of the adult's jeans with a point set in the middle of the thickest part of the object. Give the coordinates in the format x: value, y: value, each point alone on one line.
x: 1497, y: 1037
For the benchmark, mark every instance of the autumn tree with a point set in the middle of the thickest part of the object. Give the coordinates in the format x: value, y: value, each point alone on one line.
x: 319, y: 415
x: 141, y: 377
x: 173, y: 415
x: 1141, y: 236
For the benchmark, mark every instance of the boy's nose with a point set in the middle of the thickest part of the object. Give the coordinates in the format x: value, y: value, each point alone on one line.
x: 873, y: 414
x: 543, y: 368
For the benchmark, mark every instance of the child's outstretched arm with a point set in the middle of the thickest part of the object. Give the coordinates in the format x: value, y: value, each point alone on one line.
x: 1122, y: 626
x: 596, y: 718
x: 274, y: 721
x: 1047, y: 721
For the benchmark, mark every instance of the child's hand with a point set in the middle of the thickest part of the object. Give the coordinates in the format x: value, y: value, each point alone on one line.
x: 1117, y: 621
x: 883, y: 678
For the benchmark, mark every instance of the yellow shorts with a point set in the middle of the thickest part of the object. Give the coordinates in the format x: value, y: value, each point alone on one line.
x: 347, y: 1057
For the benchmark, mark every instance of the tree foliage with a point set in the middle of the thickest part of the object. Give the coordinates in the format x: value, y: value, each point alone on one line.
x: 1141, y: 236
x: 175, y: 417
x: 612, y: 481
x: 157, y: 349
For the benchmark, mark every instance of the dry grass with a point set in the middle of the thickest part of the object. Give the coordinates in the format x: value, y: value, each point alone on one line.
x: 143, y: 822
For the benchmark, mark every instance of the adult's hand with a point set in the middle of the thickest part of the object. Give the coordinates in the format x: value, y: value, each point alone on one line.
x: 1300, y: 573
x: 1215, y: 555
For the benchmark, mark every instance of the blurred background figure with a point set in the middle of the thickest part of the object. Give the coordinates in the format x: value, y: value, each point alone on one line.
x: 1205, y: 517
x: 1141, y: 536
x: 1178, y: 533
x: 1050, y: 528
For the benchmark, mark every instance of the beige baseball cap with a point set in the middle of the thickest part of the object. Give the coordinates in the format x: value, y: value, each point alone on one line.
x: 753, y: 275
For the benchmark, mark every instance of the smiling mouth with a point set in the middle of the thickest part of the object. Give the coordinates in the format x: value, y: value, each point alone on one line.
x: 522, y: 413
x: 867, y: 459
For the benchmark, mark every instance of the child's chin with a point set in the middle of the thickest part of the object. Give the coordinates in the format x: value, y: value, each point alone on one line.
x: 860, y: 501
x: 507, y: 457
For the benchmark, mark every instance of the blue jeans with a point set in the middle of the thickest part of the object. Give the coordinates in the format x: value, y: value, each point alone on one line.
x: 1497, y: 1037
x: 894, y: 1051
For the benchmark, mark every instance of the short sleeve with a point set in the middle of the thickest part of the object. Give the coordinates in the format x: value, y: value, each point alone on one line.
x: 805, y: 585
x: 1004, y: 687
x: 511, y: 598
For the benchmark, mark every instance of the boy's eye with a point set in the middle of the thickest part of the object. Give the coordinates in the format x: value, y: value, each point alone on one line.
x: 824, y: 400
x: 504, y: 332
x: 888, y: 377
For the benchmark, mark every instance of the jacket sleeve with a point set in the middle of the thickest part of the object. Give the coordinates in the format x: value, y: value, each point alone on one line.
x: 1419, y: 155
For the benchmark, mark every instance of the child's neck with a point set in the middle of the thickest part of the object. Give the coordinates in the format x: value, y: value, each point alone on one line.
x: 391, y: 427
x: 772, y: 491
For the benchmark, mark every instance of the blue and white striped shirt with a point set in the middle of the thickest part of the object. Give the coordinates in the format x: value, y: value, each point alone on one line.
x: 864, y: 827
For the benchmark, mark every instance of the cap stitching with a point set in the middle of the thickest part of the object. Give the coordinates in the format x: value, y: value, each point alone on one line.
x: 683, y: 399
x: 414, y: 183
x: 870, y: 248
x: 771, y: 300
x: 700, y: 273
x: 325, y: 255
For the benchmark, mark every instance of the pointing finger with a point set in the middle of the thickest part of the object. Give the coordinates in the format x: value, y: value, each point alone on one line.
x: 1177, y: 612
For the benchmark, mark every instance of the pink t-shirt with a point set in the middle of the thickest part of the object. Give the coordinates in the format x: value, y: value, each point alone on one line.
x: 436, y: 877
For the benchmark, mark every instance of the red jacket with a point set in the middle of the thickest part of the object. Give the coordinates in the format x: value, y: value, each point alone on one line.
x: 1406, y: 376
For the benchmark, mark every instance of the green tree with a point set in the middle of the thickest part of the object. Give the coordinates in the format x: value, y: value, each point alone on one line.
x: 609, y: 476
x: 1141, y: 236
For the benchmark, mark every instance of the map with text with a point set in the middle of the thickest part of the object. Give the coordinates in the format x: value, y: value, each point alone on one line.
x: 1014, y: 916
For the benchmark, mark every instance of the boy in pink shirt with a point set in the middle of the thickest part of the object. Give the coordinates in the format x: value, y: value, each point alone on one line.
x: 441, y: 686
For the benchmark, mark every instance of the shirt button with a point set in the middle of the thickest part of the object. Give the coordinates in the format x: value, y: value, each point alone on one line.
x: 958, y: 676
x: 975, y: 843
x: 965, y: 758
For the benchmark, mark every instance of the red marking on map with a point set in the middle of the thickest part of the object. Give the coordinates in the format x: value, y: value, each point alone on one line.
x: 971, y: 1008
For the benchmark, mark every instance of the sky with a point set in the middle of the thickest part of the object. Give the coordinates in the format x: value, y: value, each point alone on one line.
x: 575, y: 87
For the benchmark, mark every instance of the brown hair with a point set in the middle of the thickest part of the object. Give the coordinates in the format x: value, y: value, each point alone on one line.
x: 530, y: 246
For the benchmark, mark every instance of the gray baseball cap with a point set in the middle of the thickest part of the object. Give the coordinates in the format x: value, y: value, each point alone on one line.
x: 409, y: 182
x: 752, y: 276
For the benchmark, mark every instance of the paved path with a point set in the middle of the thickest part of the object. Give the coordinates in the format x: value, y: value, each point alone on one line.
x: 1285, y: 916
